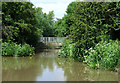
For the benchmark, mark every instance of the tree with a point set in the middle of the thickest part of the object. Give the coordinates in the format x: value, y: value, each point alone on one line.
x: 39, y: 16
x: 61, y: 28
x: 18, y: 22
x: 90, y: 22
x: 48, y: 23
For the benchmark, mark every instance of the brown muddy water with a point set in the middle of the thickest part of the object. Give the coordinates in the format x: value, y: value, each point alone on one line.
x: 46, y: 66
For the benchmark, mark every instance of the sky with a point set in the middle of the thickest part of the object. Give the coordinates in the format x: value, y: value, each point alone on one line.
x: 58, y: 6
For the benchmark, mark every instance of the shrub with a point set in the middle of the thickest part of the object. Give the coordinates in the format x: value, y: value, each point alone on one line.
x: 71, y: 50
x: 26, y: 50
x: 13, y: 49
x: 64, y: 52
x: 103, y: 55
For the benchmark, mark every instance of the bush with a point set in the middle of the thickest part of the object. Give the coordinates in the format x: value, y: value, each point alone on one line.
x: 71, y: 50
x: 104, y: 55
x: 13, y: 49
x: 26, y: 50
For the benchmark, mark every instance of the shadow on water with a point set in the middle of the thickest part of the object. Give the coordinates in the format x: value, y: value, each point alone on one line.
x: 46, y: 66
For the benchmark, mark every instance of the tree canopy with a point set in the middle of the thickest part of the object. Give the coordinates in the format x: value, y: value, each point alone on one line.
x: 86, y: 23
x: 24, y: 23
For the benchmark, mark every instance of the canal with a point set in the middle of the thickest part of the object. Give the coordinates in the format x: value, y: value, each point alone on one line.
x: 46, y: 66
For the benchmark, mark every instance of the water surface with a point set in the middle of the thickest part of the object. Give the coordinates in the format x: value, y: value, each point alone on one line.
x: 46, y: 66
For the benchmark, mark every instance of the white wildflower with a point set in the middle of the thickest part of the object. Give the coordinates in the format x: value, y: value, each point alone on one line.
x: 91, y: 48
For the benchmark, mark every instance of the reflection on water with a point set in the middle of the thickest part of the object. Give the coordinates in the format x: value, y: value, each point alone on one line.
x: 46, y: 66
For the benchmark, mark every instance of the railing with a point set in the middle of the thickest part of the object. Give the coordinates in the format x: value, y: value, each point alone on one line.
x: 52, y: 39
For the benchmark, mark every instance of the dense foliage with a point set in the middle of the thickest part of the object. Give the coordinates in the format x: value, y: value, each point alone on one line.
x: 22, y: 24
x: 88, y: 24
x: 71, y: 50
x: 44, y: 22
x: 48, y: 24
x: 18, y: 22
x: 103, y: 55
x: 13, y: 49
x: 61, y: 28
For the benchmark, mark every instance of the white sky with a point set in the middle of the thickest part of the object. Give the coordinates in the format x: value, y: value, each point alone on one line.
x: 58, y: 6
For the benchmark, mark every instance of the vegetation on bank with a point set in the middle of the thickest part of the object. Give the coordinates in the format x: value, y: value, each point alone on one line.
x: 23, y: 24
x: 93, y: 30
x: 13, y: 49
x: 103, y: 55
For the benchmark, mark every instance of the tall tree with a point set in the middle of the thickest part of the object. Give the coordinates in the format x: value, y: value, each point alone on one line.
x: 90, y: 22
x: 18, y: 20
x: 49, y: 21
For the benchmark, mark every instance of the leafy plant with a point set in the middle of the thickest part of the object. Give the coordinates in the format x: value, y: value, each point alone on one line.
x: 13, y: 49
x: 26, y: 50
x: 104, y: 55
x: 71, y: 50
